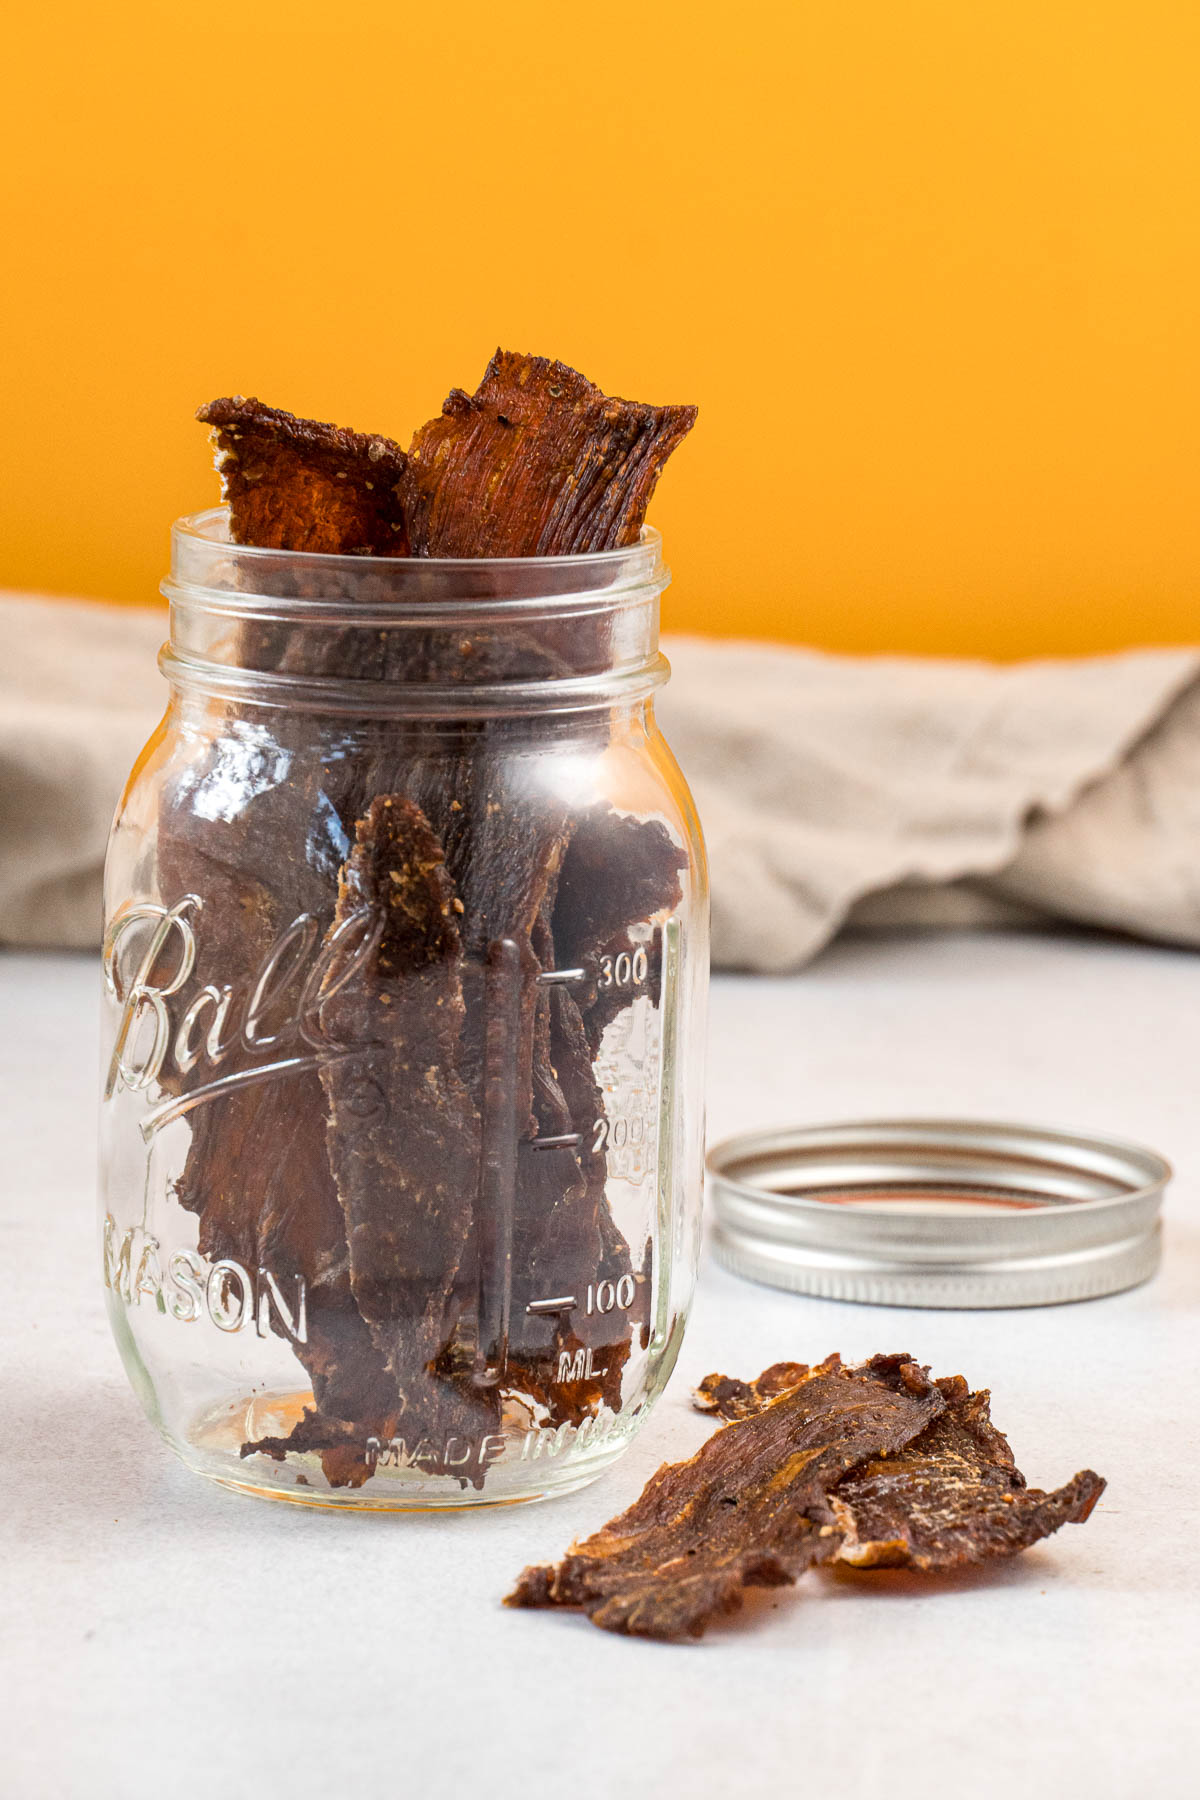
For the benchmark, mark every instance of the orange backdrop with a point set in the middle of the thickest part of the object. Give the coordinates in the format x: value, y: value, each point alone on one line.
x: 931, y: 269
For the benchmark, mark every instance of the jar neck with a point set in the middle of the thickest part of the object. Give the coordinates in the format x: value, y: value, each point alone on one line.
x: 379, y: 636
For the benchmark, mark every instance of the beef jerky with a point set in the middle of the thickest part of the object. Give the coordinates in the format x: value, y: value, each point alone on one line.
x: 257, y: 1171
x: 952, y: 1497
x: 282, y: 1215
x: 301, y: 485
x: 338, y: 1442
x: 751, y: 1508
x: 293, y: 484
x: 504, y: 839
x: 298, y: 484
x: 403, y: 1132
x: 733, y: 1399
x: 252, y: 832
x: 537, y: 462
x: 248, y: 829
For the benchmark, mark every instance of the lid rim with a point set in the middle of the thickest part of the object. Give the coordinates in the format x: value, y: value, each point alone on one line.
x: 1066, y: 1241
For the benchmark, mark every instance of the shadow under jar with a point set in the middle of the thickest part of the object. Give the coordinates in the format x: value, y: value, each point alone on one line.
x: 405, y: 968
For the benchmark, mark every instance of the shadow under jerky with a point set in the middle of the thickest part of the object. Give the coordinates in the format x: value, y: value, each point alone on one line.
x: 456, y: 867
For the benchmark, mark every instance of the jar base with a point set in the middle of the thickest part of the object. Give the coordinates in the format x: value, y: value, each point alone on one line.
x: 558, y: 1464
x: 332, y: 1501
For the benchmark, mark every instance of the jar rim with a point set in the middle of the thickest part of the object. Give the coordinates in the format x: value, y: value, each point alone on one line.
x: 347, y: 605
x: 206, y: 565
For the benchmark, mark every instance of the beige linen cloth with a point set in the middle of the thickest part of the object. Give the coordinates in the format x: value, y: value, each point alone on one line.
x: 833, y: 789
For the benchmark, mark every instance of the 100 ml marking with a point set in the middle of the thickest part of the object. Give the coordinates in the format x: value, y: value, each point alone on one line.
x: 605, y: 1296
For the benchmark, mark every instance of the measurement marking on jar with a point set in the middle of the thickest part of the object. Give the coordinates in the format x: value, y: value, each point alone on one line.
x: 496, y: 1197
x: 619, y: 1131
x: 579, y: 1367
x: 606, y: 1296
x: 602, y: 1297
x: 560, y: 977
x: 626, y: 970
x: 568, y: 1141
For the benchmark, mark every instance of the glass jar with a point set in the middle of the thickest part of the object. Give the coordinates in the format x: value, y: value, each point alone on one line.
x: 405, y: 966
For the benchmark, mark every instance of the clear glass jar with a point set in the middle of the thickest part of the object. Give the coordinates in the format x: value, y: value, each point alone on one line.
x: 405, y: 968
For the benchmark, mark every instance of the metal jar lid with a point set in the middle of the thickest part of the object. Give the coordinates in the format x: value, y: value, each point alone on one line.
x: 938, y: 1212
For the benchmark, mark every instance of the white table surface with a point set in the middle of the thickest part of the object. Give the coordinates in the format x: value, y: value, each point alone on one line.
x: 161, y: 1637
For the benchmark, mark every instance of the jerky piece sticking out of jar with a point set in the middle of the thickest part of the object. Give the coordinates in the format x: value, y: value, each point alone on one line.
x: 953, y: 1497
x: 298, y: 484
x: 537, y: 462
x: 750, y: 1509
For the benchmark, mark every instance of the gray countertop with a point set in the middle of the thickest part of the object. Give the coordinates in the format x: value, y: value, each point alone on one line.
x: 163, y: 1637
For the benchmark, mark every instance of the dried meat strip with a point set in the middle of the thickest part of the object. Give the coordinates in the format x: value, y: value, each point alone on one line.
x: 953, y: 1497
x: 251, y: 831
x: 537, y: 462
x: 282, y: 1215
x: 403, y: 1130
x: 298, y: 484
x: 733, y: 1399
x: 586, y: 467
x: 301, y: 485
x: 750, y: 1509
x: 504, y: 838
x: 257, y: 1170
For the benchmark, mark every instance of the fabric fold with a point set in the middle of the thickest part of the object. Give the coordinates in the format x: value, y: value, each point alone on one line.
x: 833, y: 789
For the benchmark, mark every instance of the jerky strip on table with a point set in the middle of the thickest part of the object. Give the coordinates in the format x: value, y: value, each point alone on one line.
x: 733, y: 1399
x: 403, y: 1132
x: 750, y: 1509
x: 953, y: 1497
x: 537, y: 462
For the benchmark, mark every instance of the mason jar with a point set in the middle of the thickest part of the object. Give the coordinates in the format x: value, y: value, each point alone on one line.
x: 405, y: 964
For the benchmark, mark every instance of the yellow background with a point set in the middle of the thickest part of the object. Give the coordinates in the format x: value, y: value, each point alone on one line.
x: 930, y: 269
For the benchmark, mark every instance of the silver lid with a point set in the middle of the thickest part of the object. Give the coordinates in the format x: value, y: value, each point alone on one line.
x: 938, y: 1212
